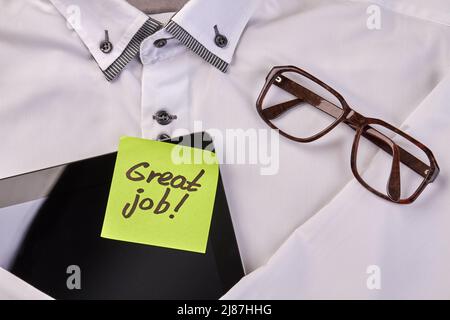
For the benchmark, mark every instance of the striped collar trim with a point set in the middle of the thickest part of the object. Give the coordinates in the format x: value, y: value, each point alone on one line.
x: 132, y: 49
x: 193, y: 44
x: 196, y: 26
x: 149, y: 28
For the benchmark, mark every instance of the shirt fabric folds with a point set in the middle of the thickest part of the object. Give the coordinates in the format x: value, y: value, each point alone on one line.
x: 307, y: 231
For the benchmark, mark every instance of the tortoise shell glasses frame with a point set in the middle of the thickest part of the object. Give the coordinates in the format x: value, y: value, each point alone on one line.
x: 363, y: 126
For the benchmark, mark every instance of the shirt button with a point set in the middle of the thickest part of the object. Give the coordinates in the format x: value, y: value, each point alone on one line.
x: 163, y: 117
x: 163, y: 136
x: 160, y: 43
x: 106, y: 45
x: 220, y: 40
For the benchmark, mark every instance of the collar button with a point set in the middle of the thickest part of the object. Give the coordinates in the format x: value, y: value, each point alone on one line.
x: 160, y: 43
x: 220, y: 40
x: 106, y: 45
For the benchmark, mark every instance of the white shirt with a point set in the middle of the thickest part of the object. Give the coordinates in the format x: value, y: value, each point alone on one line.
x: 63, y: 99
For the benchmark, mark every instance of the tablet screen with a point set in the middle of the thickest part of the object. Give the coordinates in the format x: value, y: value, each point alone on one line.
x: 50, y: 223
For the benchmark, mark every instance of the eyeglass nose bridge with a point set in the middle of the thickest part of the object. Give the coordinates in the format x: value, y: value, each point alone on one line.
x: 355, y: 120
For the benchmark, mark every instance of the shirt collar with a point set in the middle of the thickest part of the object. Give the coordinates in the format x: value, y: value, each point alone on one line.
x: 194, y: 26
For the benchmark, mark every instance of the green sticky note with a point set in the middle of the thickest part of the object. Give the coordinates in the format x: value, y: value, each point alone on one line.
x: 162, y: 195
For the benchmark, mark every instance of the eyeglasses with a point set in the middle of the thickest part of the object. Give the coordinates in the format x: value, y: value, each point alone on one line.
x: 303, y: 109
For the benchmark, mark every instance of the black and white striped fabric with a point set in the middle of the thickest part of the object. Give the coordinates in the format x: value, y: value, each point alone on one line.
x: 189, y: 41
x: 149, y: 28
x: 132, y: 49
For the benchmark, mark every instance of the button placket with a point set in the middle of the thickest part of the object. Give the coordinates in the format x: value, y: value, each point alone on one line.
x: 165, y: 87
x: 160, y: 46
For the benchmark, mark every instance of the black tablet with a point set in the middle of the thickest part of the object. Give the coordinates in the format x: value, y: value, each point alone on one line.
x: 51, y: 222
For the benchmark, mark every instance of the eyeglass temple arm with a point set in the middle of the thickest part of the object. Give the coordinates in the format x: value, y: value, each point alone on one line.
x: 376, y: 137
